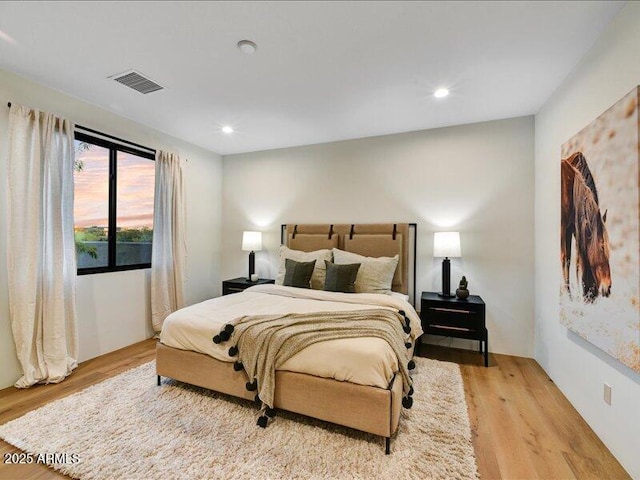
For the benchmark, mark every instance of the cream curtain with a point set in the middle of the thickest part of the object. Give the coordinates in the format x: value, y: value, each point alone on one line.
x: 169, y: 248
x: 41, y: 250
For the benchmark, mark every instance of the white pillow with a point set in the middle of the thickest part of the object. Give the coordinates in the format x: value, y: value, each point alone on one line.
x: 319, y: 271
x: 375, y: 275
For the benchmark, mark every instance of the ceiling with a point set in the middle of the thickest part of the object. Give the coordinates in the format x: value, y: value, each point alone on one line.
x: 323, y: 71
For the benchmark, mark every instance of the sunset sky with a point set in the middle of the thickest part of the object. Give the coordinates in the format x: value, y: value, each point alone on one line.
x: 135, y: 190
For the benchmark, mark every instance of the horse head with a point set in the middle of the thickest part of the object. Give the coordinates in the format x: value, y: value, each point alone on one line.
x: 597, y: 251
x: 581, y: 219
x: 601, y: 258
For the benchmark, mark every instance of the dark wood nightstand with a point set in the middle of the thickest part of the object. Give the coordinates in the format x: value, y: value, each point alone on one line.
x: 455, y: 318
x: 239, y: 284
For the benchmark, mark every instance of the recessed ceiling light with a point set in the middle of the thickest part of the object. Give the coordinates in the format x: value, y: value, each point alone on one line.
x: 441, y: 92
x: 227, y: 129
x: 247, y: 46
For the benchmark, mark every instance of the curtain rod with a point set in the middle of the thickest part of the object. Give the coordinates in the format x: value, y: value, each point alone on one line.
x: 112, y: 137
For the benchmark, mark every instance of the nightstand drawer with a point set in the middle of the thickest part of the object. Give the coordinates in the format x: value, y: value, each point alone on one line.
x: 228, y: 290
x: 452, y: 317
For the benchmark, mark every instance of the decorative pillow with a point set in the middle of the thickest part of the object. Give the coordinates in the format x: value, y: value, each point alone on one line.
x: 298, y: 274
x: 375, y: 274
x: 341, y: 278
x: 319, y: 272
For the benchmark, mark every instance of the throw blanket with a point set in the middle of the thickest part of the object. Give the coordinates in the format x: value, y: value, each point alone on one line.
x: 263, y: 343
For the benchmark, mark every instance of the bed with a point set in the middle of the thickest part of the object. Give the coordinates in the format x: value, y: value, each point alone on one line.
x: 350, y: 382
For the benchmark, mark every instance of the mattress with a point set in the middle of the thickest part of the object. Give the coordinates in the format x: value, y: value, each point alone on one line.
x: 364, y: 361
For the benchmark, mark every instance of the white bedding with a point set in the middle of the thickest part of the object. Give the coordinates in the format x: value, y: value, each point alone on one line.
x: 365, y: 361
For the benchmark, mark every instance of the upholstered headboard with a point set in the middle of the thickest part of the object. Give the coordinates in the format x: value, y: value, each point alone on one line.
x: 368, y: 239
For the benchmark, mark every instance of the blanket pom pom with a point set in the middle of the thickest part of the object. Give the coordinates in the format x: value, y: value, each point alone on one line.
x: 262, y: 421
x: 217, y: 339
x: 401, y: 312
x: 229, y: 328
x: 233, y: 351
x: 237, y: 366
x: 407, y: 344
x: 224, y: 335
x: 252, y: 386
x: 411, y: 365
x: 257, y: 399
x: 407, y: 402
x: 407, y: 328
x: 410, y: 390
x: 270, y: 412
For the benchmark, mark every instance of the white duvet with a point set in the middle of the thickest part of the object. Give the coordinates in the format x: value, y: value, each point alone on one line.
x: 365, y: 361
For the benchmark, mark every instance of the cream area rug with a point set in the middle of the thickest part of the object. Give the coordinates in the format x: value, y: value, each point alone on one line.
x: 129, y: 428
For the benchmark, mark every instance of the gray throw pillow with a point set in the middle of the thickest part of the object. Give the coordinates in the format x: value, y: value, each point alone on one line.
x: 375, y: 274
x: 341, y: 278
x: 298, y: 274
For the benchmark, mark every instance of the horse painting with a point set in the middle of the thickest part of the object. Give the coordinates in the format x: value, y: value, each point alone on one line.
x: 581, y: 219
x: 600, y: 254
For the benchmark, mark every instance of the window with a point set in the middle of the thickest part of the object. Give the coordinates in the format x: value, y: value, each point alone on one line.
x: 113, y: 206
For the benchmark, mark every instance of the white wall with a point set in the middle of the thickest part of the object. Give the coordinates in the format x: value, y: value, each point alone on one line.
x: 477, y: 179
x: 609, y: 71
x: 113, y: 308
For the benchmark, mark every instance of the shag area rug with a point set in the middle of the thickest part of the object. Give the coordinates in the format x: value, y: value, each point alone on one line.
x: 127, y: 427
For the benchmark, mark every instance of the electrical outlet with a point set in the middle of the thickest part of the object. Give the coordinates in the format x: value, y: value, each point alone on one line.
x: 607, y: 393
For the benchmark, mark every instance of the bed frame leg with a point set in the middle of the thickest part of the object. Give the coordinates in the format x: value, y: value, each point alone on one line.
x: 159, y: 380
x: 387, y: 445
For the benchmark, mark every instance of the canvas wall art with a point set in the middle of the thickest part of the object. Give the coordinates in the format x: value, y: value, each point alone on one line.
x: 600, y: 232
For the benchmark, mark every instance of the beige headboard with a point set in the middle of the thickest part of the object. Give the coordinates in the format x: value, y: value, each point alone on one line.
x: 368, y: 239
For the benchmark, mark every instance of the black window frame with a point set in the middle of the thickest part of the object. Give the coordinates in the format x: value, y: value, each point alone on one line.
x: 113, y: 147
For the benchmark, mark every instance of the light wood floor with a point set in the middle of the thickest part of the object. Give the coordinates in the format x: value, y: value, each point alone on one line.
x: 523, y: 427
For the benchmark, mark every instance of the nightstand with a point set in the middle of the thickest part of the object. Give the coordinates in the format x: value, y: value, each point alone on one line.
x: 239, y: 284
x: 455, y: 318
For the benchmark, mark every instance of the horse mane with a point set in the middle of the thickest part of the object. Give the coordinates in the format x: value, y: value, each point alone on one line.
x: 578, y: 161
x: 585, y: 203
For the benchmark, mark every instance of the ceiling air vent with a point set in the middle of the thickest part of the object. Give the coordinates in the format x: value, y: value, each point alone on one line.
x: 138, y: 82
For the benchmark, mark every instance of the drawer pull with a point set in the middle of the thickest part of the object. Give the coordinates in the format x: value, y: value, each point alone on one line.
x: 232, y: 289
x: 448, y: 327
x: 451, y: 310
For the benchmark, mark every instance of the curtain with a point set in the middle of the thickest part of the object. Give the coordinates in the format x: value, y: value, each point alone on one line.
x: 41, y: 255
x: 169, y: 249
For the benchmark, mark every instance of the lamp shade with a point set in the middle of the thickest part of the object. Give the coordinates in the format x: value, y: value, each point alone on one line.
x: 251, y: 241
x: 446, y: 244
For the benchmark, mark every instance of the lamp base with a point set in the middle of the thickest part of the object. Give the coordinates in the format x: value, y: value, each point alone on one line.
x: 446, y: 279
x: 446, y: 295
x: 252, y: 265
